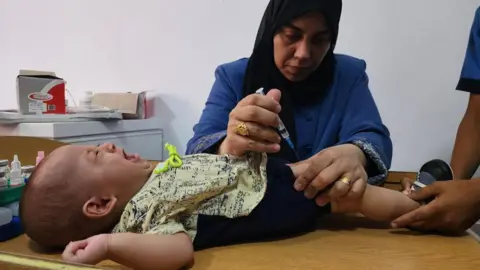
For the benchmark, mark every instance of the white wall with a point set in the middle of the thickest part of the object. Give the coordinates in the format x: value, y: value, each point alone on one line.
x: 414, y: 50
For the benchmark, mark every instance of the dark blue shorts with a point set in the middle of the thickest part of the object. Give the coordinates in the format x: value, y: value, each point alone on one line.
x: 282, y: 213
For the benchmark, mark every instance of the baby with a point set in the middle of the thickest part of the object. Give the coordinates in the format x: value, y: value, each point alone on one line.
x: 102, y: 203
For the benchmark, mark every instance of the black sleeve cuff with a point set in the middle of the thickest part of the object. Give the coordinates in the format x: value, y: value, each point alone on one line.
x: 469, y: 85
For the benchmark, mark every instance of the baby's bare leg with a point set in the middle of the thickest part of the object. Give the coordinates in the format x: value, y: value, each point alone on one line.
x: 378, y: 203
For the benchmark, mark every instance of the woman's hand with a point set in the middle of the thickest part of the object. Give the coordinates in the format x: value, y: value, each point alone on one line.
x: 257, y: 115
x: 343, y: 162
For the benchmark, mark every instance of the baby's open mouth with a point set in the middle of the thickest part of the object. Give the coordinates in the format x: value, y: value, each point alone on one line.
x: 132, y: 158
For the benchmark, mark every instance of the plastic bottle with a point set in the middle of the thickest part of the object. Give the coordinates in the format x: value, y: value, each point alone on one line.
x: 4, y: 166
x: 86, y: 102
x: 16, y: 178
x: 40, y: 156
x: 5, y: 216
x: 3, y: 181
x: 27, y: 171
x: 14, y: 208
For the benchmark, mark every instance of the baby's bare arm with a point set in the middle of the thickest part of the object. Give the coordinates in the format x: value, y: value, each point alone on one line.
x: 146, y: 251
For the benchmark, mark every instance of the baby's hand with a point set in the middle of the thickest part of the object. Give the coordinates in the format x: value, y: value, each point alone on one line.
x: 89, y: 251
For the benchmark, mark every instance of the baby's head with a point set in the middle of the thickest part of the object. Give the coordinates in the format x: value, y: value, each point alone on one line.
x: 80, y: 191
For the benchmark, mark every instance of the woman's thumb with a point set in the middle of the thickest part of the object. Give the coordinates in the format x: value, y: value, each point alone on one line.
x: 275, y: 94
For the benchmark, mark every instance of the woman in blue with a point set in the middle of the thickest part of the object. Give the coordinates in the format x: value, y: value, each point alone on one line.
x: 322, y: 98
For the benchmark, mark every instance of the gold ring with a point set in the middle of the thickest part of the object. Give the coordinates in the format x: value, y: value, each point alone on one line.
x: 345, y: 180
x: 242, y: 129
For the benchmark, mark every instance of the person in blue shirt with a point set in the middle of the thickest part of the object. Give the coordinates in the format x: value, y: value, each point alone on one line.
x: 323, y: 99
x: 456, y: 206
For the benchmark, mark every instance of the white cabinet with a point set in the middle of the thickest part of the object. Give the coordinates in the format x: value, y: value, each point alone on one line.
x: 136, y: 136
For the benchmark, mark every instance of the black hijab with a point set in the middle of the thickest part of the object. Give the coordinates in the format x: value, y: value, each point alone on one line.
x: 262, y: 71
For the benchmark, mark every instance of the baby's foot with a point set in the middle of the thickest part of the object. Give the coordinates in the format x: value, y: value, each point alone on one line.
x: 430, y: 172
x: 406, y: 185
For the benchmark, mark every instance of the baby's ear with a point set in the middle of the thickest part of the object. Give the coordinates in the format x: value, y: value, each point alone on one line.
x: 98, y: 207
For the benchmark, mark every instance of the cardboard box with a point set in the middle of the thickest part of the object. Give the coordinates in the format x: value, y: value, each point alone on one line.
x: 40, y: 92
x: 131, y: 105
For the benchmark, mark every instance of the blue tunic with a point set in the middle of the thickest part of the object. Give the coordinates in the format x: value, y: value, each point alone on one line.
x: 470, y: 76
x: 347, y: 114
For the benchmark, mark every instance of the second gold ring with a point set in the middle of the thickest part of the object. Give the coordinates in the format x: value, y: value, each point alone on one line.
x: 345, y: 180
x: 242, y: 129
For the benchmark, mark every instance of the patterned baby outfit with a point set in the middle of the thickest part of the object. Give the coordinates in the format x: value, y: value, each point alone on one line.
x: 214, y: 185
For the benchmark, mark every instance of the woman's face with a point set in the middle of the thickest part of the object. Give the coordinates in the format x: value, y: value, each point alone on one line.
x: 300, y: 47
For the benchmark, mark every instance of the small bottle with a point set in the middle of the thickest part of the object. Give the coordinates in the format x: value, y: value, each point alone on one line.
x: 40, y: 156
x: 16, y: 178
x: 27, y: 171
x: 14, y: 208
x: 86, y: 102
x: 5, y: 216
x: 4, y: 166
x: 3, y: 181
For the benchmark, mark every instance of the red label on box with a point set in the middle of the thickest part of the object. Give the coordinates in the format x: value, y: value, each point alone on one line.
x: 41, y: 95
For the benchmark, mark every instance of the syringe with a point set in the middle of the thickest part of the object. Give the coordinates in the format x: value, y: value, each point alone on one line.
x: 281, y: 128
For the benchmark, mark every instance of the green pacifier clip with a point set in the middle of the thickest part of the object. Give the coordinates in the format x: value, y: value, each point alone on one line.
x: 173, y: 160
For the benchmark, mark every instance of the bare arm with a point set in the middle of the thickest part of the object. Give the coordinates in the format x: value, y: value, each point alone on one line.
x: 147, y: 251
x: 466, y: 153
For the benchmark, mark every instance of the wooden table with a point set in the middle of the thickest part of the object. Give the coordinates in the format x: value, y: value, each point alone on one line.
x: 340, y: 243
